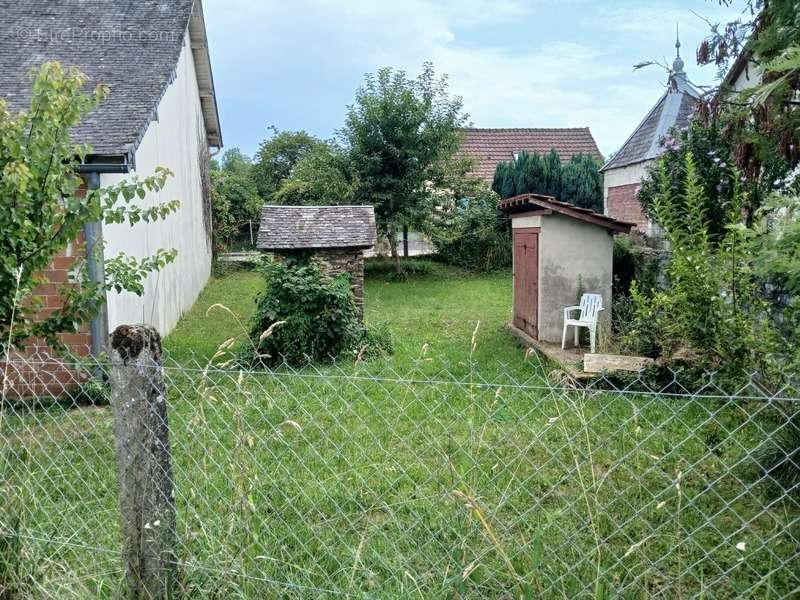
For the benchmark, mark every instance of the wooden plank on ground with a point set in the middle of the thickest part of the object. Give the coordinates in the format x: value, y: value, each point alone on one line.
x: 597, y: 363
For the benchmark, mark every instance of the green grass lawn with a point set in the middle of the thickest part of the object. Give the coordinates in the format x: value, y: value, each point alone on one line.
x: 441, y: 474
x: 439, y: 310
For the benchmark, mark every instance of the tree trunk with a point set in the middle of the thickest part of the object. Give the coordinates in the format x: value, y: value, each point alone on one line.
x: 392, y: 235
x: 405, y: 241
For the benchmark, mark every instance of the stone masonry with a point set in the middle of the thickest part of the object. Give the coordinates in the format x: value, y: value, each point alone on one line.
x: 345, y: 260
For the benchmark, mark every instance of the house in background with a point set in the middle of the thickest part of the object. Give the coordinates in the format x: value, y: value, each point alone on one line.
x: 744, y: 73
x: 489, y: 147
x: 161, y: 111
x: 623, y: 174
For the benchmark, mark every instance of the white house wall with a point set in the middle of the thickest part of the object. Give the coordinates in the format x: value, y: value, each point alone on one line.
x: 749, y: 77
x: 175, y: 139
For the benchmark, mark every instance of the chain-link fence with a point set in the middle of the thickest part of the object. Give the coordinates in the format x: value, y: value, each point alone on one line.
x: 357, y: 480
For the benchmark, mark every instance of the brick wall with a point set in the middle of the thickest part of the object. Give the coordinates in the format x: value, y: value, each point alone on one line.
x: 623, y: 204
x: 346, y: 260
x: 43, y: 372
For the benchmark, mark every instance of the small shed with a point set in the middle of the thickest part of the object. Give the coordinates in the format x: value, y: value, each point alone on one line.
x: 559, y: 251
x: 336, y: 235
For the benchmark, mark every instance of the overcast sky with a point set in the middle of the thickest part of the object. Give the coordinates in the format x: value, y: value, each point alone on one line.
x: 296, y: 64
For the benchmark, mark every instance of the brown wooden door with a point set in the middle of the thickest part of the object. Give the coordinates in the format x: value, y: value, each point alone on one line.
x: 526, y: 280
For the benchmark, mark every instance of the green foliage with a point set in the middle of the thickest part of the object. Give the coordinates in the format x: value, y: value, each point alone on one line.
x: 775, y: 247
x: 473, y: 234
x: 276, y: 159
x: 236, y: 162
x: 762, y: 122
x: 582, y: 183
x: 551, y: 181
x: 508, y: 186
x: 531, y: 173
x: 579, y: 182
x: 234, y: 204
x: 323, y: 176
x: 303, y: 316
x: 710, y: 314
x: 401, y: 136
x: 633, y: 261
x: 412, y: 267
x: 715, y: 169
x: 42, y: 209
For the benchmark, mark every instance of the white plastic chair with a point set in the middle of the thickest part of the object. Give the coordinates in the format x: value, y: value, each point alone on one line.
x: 590, y: 307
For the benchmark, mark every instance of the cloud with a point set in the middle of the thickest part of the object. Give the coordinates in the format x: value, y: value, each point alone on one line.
x: 514, y: 62
x: 653, y: 19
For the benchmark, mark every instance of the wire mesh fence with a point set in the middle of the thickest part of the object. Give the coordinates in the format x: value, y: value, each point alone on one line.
x: 435, y: 481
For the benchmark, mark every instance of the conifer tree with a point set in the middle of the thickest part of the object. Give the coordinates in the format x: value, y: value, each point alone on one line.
x: 552, y: 174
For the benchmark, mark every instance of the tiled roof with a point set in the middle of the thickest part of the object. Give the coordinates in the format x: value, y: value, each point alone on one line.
x: 675, y: 108
x: 528, y: 203
x: 133, y: 47
x: 637, y: 147
x: 491, y: 146
x: 297, y: 227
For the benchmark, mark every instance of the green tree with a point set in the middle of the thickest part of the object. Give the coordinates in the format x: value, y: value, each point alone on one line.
x: 402, y: 135
x: 711, y: 154
x: 579, y: 182
x: 235, y: 202
x: 277, y: 157
x: 775, y: 250
x: 505, y: 178
x: 499, y: 177
x: 582, y: 183
x: 710, y: 311
x: 323, y: 176
x: 43, y: 209
x: 236, y: 162
x: 470, y: 232
x: 551, y: 184
x: 761, y: 123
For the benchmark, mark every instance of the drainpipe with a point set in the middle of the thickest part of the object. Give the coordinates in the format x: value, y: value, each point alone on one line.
x: 93, y: 235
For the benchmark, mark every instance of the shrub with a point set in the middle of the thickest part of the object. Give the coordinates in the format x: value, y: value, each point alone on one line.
x: 377, y: 342
x: 709, y: 315
x: 633, y: 261
x: 714, y: 168
x: 474, y: 235
x: 303, y: 316
x: 775, y: 248
x: 384, y: 267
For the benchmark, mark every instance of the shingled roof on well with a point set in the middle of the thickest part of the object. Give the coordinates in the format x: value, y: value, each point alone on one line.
x: 298, y: 227
x: 133, y: 47
x: 491, y: 146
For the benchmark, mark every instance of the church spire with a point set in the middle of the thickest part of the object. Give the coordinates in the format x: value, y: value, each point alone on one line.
x: 677, y: 64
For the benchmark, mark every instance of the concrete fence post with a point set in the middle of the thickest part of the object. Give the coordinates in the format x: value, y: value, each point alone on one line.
x: 144, y: 463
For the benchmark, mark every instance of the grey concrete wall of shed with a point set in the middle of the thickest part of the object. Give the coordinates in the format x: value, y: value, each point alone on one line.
x: 569, y: 249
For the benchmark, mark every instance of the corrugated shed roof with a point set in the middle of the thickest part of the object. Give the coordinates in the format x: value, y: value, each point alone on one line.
x: 298, y: 227
x: 491, y: 146
x: 528, y: 203
x: 133, y: 47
